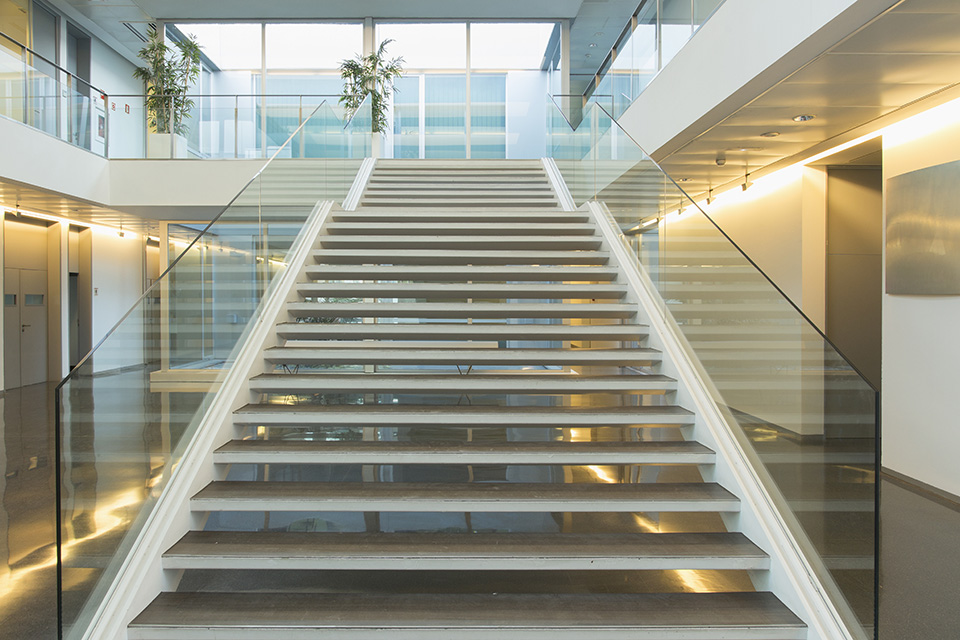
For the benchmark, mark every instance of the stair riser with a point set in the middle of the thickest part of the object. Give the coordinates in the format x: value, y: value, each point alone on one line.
x: 460, y: 258
x: 491, y: 563
x: 461, y: 292
x: 459, y: 242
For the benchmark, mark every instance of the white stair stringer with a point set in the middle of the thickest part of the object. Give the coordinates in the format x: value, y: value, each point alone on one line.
x: 763, y: 517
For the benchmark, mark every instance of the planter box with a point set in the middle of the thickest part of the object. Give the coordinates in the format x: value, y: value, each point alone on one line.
x: 160, y: 145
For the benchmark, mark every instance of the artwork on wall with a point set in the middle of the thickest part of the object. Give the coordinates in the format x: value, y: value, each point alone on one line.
x: 923, y: 231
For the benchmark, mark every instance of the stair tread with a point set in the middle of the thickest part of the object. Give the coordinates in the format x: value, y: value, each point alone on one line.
x: 747, y: 613
x: 461, y: 290
x: 460, y: 497
x: 525, y: 383
x: 457, y: 274
x: 437, y: 356
x: 443, y: 310
x: 464, y: 331
x: 451, y: 545
x: 554, y: 449
x: 396, y: 414
x: 462, y: 257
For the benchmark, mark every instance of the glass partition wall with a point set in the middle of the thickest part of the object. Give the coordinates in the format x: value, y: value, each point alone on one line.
x: 657, y: 31
x: 127, y: 411
x: 803, y: 415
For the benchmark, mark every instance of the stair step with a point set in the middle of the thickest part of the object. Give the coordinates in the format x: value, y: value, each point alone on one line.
x: 527, y: 383
x: 491, y: 497
x: 365, y: 616
x: 451, y: 551
x: 393, y: 215
x: 533, y: 191
x: 461, y: 274
x: 462, y: 357
x: 456, y: 183
x: 440, y: 257
x: 502, y: 203
x: 451, y: 310
x: 406, y: 452
x: 274, y: 415
x: 570, y: 243
x: 460, y: 331
x: 461, y: 228
x: 461, y: 291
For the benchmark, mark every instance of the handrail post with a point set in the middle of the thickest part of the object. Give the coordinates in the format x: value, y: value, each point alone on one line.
x: 236, y: 126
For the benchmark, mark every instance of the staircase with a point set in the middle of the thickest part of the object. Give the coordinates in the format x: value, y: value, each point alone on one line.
x: 463, y: 435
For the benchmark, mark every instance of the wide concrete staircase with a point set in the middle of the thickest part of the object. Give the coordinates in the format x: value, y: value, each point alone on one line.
x: 464, y: 435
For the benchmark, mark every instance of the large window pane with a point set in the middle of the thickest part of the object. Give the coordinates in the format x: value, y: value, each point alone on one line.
x: 229, y: 46
x: 312, y: 46
x: 445, y: 122
x: 488, y: 115
x: 426, y: 46
x: 527, y: 45
x: 406, y: 117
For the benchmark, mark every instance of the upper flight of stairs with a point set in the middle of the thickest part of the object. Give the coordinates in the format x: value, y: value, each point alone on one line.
x: 462, y: 434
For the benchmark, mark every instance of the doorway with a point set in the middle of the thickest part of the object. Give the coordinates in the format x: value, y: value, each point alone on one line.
x: 24, y: 326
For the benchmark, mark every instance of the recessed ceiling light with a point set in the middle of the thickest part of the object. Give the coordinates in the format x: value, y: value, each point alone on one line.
x: 598, y: 33
x: 593, y: 44
x: 770, y: 134
x: 587, y: 55
x: 684, y: 179
x: 803, y: 117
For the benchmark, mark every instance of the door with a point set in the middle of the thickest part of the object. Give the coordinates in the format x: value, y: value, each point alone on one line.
x: 25, y: 327
x: 11, y: 328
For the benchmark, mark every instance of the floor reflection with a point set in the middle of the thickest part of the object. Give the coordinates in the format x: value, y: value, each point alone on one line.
x: 28, y: 596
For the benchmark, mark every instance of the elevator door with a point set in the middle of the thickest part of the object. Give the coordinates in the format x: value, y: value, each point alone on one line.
x: 25, y: 327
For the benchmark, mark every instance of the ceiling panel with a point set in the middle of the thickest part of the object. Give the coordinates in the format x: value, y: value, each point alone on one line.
x: 840, y: 69
x: 897, y: 33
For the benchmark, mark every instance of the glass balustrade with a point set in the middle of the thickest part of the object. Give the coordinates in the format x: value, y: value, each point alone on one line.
x: 802, y: 413
x: 38, y: 93
x: 126, y: 413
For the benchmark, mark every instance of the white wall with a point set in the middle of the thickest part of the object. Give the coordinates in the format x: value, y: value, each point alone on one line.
x: 780, y: 223
x: 718, y: 70
x: 527, y: 114
x: 112, y: 73
x: 117, y: 281
x: 921, y: 334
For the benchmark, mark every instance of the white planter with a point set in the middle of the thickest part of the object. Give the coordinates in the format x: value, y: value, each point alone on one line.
x: 160, y: 145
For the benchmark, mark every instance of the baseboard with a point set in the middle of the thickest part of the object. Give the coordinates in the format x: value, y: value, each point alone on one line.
x: 921, y: 488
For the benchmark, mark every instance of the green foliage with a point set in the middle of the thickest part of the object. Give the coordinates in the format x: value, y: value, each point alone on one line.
x: 167, y: 77
x: 373, y: 76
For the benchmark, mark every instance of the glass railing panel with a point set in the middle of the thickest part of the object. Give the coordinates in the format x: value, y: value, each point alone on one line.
x: 803, y: 414
x: 36, y: 92
x: 127, y: 412
x: 12, y: 83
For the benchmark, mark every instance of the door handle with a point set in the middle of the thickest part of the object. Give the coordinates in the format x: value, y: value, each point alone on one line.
x: 23, y: 328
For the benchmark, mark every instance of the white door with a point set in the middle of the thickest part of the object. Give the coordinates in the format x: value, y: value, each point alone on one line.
x: 24, y: 327
x: 11, y: 328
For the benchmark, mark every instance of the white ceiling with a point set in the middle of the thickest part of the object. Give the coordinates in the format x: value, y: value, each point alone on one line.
x: 905, y: 55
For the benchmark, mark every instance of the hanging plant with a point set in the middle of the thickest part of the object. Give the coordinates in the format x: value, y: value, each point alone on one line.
x: 371, y: 75
x: 167, y: 76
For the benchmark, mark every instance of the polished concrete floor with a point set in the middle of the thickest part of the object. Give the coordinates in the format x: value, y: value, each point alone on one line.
x: 920, y: 565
